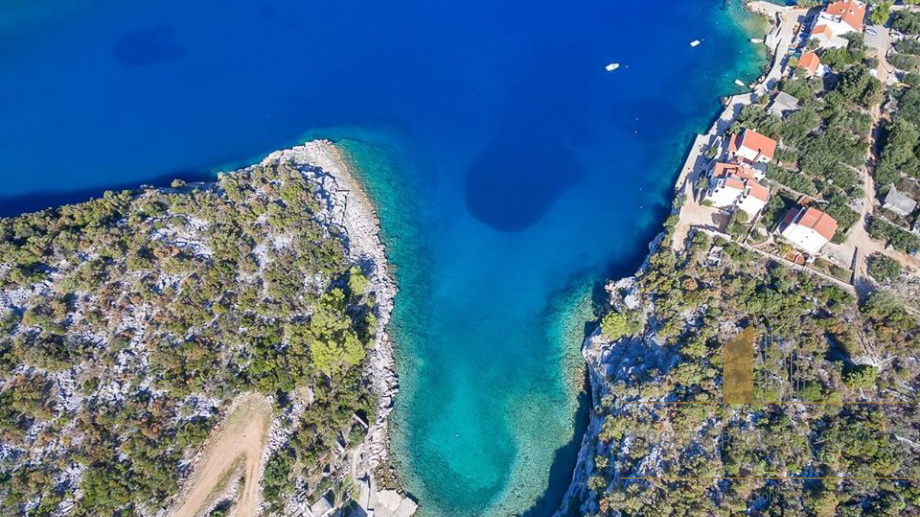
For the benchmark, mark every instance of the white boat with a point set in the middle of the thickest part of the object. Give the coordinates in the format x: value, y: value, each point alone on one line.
x: 611, y: 67
x: 695, y: 43
x: 756, y: 40
x: 739, y: 83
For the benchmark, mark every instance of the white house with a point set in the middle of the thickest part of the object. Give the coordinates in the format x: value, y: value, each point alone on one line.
x: 724, y: 192
x: 732, y: 192
x: 836, y: 20
x: 754, y: 198
x: 808, y: 229
x: 752, y: 147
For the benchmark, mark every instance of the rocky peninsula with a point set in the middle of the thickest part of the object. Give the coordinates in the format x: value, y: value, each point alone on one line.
x: 203, y: 349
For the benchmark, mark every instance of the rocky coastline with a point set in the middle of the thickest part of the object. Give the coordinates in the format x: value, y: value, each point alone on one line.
x: 599, y: 353
x: 353, y: 210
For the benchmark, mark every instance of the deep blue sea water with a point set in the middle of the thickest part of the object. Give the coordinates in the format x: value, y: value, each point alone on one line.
x: 511, y: 172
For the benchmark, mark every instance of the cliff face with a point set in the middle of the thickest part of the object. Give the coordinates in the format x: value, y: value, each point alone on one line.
x: 660, y: 442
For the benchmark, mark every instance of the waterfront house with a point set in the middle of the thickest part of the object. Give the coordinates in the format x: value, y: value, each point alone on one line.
x: 811, y: 64
x: 754, y: 198
x: 739, y: 170
x: 808, y: 229
x: 752, y: 147
x: 836, y: 20
x: 899, y: 203
x: 724, y: 192
x: 735, y: 186
x: 783, y: 104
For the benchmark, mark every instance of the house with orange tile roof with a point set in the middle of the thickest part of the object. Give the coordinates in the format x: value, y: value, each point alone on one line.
x: 811, y: 64
x: 739, y: 170
x: 724, y: 192
x: 836, y: 20
x: 752, y: 147
x: 808, y: 228
x: 733, y: 186
x: 755, y: 197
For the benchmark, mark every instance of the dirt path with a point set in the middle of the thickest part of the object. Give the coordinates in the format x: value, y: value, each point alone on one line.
x: 234, y: 449
x: 858, y: 236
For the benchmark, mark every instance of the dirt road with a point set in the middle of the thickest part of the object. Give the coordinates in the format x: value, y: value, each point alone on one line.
x: 234, y: 449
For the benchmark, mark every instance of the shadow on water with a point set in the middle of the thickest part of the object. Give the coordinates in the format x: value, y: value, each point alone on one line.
x: 564, y: 459
x: 512, y: 185
x: 148, y: 47
x: 12, y: 206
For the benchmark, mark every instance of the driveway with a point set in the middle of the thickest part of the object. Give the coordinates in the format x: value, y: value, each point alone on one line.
x: 878, y: 38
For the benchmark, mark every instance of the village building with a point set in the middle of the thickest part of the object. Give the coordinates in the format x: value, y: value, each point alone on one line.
x: 735, y: 186
x: 739, y: 170
x: 752, y: 147
x: 808, y: 229
x: 755, y: 197
x: 724, y: 192
x: 783, y: 104
x: 899, y: 203
x: 811, y: 63
x: 836, y: 20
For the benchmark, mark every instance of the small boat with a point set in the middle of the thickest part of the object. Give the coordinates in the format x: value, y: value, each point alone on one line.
x: 611, y: 67
x: 695, y: 43
x: 739, y: 83
x: 756, y: 40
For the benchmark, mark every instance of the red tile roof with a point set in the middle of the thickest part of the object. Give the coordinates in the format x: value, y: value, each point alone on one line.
x: 817, y: 221
x: 753, y: 140
x: 851, y: 12
x: 734, y: 183
x: 810, y: 62
x: 758, y: 191
x: 721, y: 169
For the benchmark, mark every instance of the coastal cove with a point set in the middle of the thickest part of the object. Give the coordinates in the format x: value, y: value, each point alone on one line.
x: 510, y: 171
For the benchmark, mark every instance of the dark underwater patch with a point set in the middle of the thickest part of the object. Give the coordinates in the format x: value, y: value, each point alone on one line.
x: 511, y: 186
x: 148, y: 47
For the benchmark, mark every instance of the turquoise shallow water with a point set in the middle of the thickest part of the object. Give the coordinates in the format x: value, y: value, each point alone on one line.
x: 511, y: 173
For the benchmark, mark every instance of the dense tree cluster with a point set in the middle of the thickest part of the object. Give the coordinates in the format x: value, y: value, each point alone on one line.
x: 906, y: 21
x: 900, y: 141
x: 893, y: 236
x: 128, y: 323
x: 815, y: 344
x: 883, y: 268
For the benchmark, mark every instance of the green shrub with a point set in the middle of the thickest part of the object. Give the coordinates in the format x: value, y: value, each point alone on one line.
x: 905, y: 62
x: 908, y: 46
x: 615, y: 325
x: 860, y: 376
x: 883, y: 268
x: 906, y: 21
x: 893, y: 236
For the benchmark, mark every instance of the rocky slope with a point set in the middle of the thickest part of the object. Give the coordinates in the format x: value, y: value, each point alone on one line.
x: 805, y: 449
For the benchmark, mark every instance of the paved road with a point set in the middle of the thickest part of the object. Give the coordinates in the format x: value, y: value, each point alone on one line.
x: 781, y: 37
